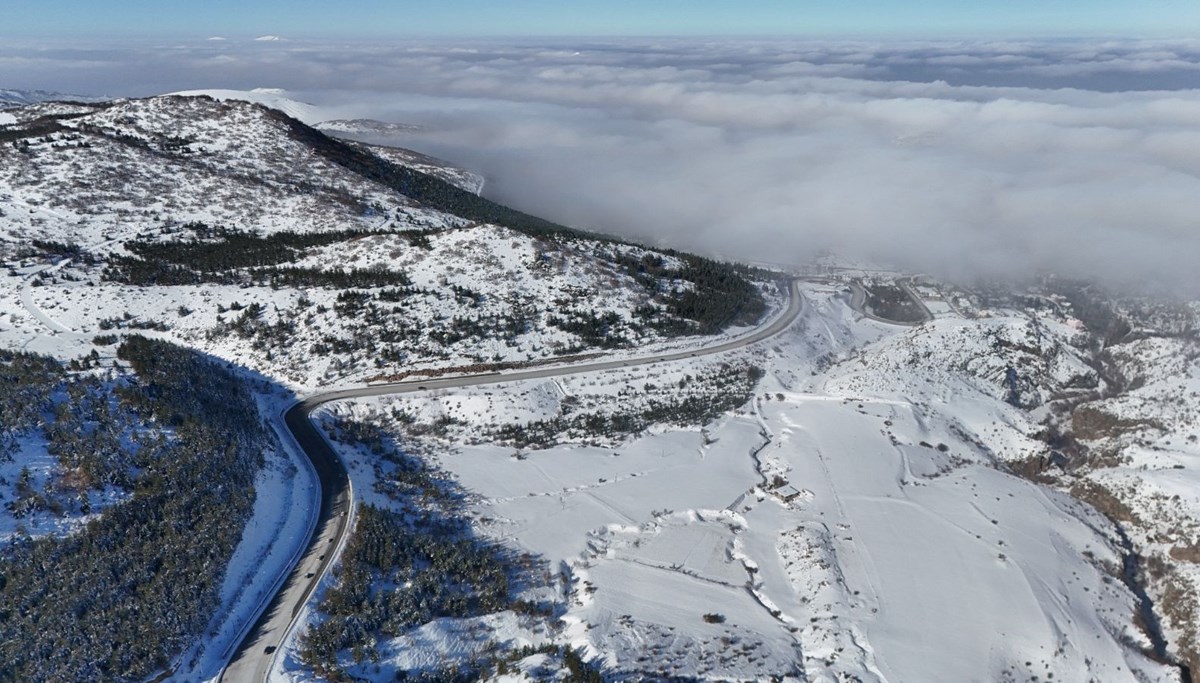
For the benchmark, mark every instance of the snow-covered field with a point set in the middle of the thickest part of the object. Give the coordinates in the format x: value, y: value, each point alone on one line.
x: 855, y: 521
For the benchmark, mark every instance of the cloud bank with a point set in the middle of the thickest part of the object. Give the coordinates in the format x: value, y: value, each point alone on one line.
x: 960, y: 159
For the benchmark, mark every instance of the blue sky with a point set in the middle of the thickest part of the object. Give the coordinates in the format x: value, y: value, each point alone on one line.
x: 378, y: 18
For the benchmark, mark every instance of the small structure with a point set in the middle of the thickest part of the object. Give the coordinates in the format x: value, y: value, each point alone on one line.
x: 788, y: 493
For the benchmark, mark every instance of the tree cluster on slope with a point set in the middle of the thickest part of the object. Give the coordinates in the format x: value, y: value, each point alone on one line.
x: 226, y: 256
x: 893, y: 302
x: 408, y: 566
x: 132, y: 589
x: 693, y: 401
x: 40, y: 127
x: 721, y: 294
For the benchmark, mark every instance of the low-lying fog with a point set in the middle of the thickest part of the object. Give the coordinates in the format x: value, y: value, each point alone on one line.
x: 1078, y: 157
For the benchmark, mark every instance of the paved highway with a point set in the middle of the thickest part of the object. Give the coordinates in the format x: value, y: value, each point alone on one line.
x: 253, y: 657
x: 252, y: 660
x: 858, y: 300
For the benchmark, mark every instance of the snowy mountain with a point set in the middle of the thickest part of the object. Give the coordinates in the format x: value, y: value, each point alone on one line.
x: 182, y: 213
x: 296, y: 259
x: 17, y: 98
x: 999, y: 486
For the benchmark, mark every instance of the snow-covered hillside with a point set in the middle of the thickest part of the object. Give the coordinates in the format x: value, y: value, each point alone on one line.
x: 1140, y: 462
x: 868, y: 515
x: 234, y: 228
x: 364, y: 130
x: 297, y: 261
x: 1003, y: 488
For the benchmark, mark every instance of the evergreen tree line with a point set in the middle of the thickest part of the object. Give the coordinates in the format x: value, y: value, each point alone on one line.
x: 226, y: 256
x: 719, y: 393
x: 62, y: 250
x: 136, y: 586
x: 723, y: 295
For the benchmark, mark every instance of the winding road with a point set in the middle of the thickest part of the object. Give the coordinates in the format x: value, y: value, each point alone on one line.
x: 858, y: 302
x: 254, y: 656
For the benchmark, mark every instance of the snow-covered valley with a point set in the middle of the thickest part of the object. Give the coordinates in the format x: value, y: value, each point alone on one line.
x: 1006, y: 491
x: 865, y: 516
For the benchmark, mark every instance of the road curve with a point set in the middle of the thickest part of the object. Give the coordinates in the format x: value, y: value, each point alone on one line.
x: 253, y: 658
x: 858, y: 302
x: 254, y: 655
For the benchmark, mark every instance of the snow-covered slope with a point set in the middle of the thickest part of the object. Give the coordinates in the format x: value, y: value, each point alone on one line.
x: 274, y: 98
x: 354, y: 129
x: 863, y: 517
x: 1140, y: 461
x: 106, y: 211
x: 18, y: 98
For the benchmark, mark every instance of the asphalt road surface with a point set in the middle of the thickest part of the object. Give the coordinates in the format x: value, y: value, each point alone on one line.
x: 253, y: 657
x: 858, y: 300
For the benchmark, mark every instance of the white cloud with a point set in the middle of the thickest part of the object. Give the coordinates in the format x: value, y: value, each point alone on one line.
x: 965, y: 158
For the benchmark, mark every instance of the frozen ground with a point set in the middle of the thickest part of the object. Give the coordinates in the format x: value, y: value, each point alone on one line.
x: 30, y: 463
x: 839, y: 527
